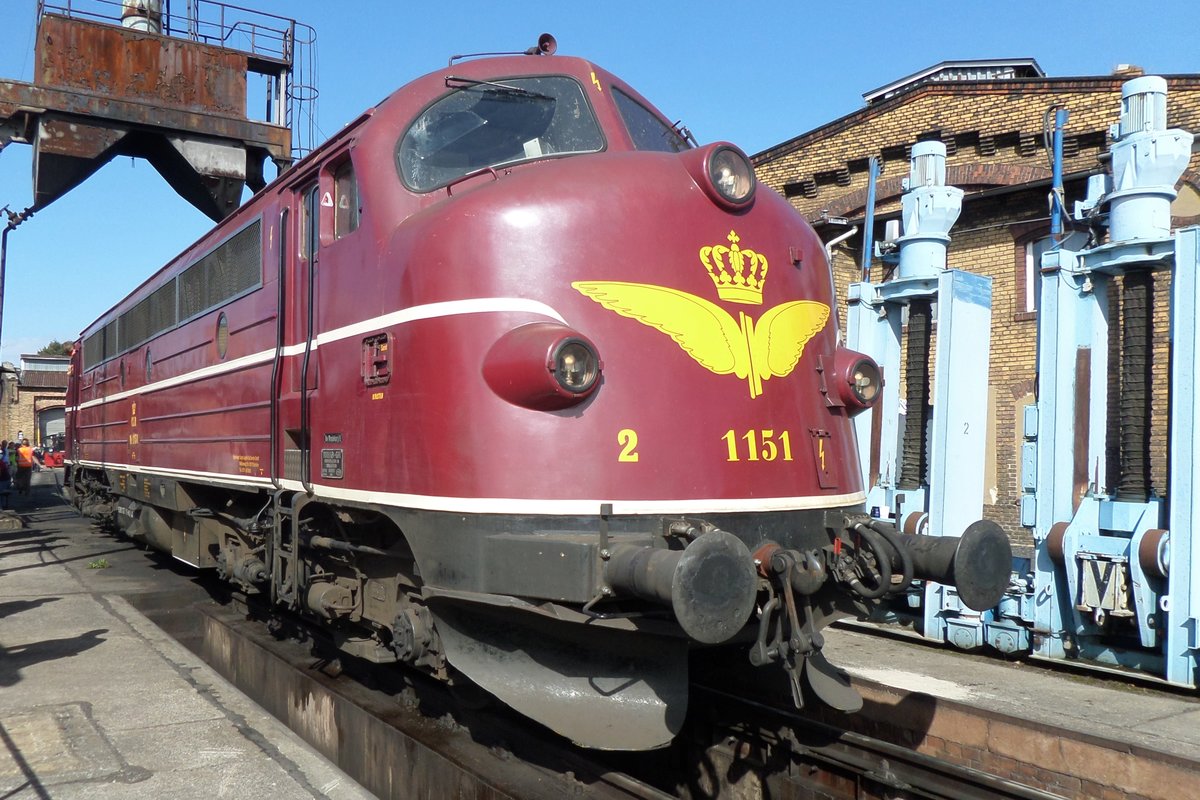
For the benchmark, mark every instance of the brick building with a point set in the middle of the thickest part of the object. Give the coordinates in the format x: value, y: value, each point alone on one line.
x: 33, y: 398
x: 993, y: 118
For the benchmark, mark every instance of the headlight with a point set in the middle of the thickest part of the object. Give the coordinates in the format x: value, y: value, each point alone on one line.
x: 731, y: 175
x: 576, y: 365
x: 723, y: 172
x: 543, y: 365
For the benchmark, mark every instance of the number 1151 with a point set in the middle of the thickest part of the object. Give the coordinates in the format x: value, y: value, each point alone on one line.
x: 760, y: 445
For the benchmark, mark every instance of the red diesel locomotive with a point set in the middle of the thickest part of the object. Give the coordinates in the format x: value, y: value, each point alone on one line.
x: 510, y: 381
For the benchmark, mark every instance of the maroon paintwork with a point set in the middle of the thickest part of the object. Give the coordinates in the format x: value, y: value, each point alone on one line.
x: 435, y: 429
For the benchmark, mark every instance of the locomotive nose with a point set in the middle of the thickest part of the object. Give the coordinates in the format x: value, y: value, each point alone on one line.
x: 710, y: 584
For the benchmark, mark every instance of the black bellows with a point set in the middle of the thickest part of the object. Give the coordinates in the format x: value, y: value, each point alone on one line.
x: 1136, y: 358
x: 915, y: 452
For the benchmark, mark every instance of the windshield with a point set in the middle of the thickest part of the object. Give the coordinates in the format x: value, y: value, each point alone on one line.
x: 488, y: 123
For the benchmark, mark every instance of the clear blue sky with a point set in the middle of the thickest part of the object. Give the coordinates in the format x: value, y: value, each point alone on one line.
x: 753, y: 73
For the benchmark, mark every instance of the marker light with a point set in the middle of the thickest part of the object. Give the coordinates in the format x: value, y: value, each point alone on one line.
x: 854, y: 382
x: 865, y: 381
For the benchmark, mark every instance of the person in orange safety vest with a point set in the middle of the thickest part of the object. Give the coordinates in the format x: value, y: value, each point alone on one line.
x: 25, y: 460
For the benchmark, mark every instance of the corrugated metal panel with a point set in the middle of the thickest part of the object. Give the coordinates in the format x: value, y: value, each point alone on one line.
x: 100, y: 346
x: 110, y: 340
x: 43, y: 379
x: 293, y: 465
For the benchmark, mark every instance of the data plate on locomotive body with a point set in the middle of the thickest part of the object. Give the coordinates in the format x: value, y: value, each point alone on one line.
x: 332, y: 464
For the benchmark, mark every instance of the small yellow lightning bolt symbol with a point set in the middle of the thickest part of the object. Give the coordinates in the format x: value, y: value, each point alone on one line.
x: 596, y: 81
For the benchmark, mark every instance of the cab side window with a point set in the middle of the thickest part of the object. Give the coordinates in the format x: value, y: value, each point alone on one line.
x: 310, y: 211
x: 345, y: 201
x: 647, y: 130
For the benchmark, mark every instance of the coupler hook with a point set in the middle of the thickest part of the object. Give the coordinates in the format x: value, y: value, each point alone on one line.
x: 792, y: 642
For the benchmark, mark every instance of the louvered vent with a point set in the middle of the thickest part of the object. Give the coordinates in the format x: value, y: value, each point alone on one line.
x: 224, y: 273
x: 148, y: 318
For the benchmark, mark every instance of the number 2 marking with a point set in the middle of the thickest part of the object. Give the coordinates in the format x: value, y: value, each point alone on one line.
x: 628, y: 440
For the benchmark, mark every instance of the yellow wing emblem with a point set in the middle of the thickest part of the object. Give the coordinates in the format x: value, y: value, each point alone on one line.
x: 710, y: 334
x: 781, y: 333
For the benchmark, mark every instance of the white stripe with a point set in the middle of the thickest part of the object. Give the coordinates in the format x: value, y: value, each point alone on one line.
x: 512, y: 505
x: 213, y: 477
x: 200, y: 374
x: 450, y: 308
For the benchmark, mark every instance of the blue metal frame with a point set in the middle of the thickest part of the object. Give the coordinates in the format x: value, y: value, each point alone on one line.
x: 951, y: 497
x: 1100, y: 565
x: 1182, y: 607
x: 1096, y: 557
x: 1101, y: 571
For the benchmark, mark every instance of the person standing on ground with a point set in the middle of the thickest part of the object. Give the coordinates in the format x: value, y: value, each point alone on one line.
x: 24, y: 467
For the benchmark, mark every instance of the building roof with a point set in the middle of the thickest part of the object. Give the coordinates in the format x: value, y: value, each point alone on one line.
x: 979, y: 69
x: 43, y: 379
x: 962, y: 89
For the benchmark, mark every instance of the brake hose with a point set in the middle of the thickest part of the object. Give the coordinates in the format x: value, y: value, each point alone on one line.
x: 879, y: 549
x: 892, y: 537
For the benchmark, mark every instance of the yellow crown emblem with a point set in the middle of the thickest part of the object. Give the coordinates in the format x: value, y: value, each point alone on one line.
x: 738, y: 272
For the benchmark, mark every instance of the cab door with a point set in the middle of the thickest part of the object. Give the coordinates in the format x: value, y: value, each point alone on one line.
x: 296, y: 357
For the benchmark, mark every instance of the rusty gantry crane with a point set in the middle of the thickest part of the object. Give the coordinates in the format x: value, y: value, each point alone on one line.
x: 125, y: 77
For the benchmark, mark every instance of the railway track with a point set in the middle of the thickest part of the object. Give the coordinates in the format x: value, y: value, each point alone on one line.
x: 398, y: 734
x: 792, y: 755
x: 402, y: 735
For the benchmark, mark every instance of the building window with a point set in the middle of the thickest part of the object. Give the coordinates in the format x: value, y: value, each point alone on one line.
x: 1030, y: 246
x: 1185, y: 208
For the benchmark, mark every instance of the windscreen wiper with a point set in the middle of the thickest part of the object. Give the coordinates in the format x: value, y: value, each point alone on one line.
x: 455, y: 80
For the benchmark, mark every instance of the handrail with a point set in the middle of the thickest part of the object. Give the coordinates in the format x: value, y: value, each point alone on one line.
x: 267, y: 35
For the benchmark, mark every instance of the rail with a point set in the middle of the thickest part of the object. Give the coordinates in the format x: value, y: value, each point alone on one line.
x: 247, y: 30
x: 878, y: 767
